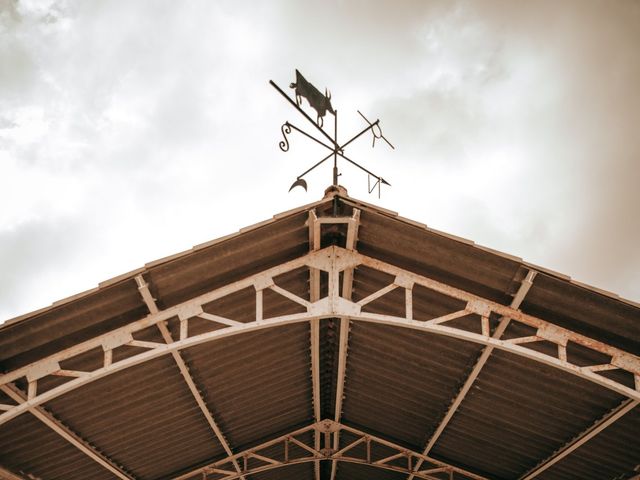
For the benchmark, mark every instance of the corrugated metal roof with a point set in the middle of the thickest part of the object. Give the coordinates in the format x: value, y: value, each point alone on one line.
x: 614, y: 450
x: 399, y: 383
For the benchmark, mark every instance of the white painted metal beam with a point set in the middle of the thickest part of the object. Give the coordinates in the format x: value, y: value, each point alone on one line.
x: 314, y: 330
x: 162, y: 349
x: 63, y: 431
x: 343, y: 344
x: 480, y: 363
x: 122, y: 335
x: 548, y: 331
x: 332, y: 260
x: 505, y: 345
x: 143, y: 287
x: 311, y: 454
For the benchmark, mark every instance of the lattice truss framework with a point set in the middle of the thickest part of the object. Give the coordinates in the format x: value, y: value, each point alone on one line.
x: 338, y: 263
x: 362, y: 448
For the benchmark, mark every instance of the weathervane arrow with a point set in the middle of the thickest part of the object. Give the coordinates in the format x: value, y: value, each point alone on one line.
x: 321, y: 103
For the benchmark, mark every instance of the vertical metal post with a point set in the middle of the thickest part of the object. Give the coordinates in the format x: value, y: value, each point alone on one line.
x: 286, y: 450
x: 335, y: 150
x: 368, y: 450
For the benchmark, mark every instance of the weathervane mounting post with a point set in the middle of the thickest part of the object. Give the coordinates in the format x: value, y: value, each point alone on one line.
x: 321, y: 103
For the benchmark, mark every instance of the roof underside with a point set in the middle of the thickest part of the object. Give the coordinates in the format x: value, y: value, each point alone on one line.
x: 397, y: 384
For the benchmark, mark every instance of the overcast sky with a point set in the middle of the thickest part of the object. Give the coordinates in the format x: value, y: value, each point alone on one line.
x: 133, y: 130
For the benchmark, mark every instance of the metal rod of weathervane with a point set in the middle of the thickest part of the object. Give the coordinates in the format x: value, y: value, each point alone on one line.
x: 335, y: 152
x: 321, y: 103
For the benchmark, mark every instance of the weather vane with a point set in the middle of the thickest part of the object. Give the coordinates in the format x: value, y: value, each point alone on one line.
x: 321, y: 103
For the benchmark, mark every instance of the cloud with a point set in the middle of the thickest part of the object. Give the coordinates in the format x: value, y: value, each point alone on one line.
x: 128, y: 125
x: 530, y: 121
x: 38, y: 259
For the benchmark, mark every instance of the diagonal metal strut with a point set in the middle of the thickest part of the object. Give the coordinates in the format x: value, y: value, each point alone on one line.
x: 482, y: 360
x: 261, y: 458
x: 604, y: 422
x: 65, y: 432
x: 143, y: 287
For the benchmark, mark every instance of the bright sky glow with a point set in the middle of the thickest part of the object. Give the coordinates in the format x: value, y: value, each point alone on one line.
x: 133, y: 130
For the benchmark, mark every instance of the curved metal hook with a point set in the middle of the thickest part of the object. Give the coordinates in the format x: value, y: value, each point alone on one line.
x: 286, y: 130
x: 299, y: 183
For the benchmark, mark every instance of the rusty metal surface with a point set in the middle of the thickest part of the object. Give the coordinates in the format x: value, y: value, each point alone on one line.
x: 399, y: 383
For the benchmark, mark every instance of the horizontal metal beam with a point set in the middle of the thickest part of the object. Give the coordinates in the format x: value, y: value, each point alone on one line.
x: 257, y: 459
x: 332, y: 260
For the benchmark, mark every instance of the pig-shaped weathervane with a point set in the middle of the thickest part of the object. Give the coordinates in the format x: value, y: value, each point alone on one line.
x: 322, y: 104
x: 319, y: 102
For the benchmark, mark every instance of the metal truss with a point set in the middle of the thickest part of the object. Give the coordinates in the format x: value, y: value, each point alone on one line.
x: 315, y: 225
x: 480, y: 363
x: 334, y: 261
x: 347, y: 288
x: 145, y: 293
x: 363, y: 448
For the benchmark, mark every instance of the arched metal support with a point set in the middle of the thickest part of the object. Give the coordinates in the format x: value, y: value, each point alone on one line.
x: 332, y: 260
x: 363, y: 449
x: 145, y: 293
x: 526, y: 284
